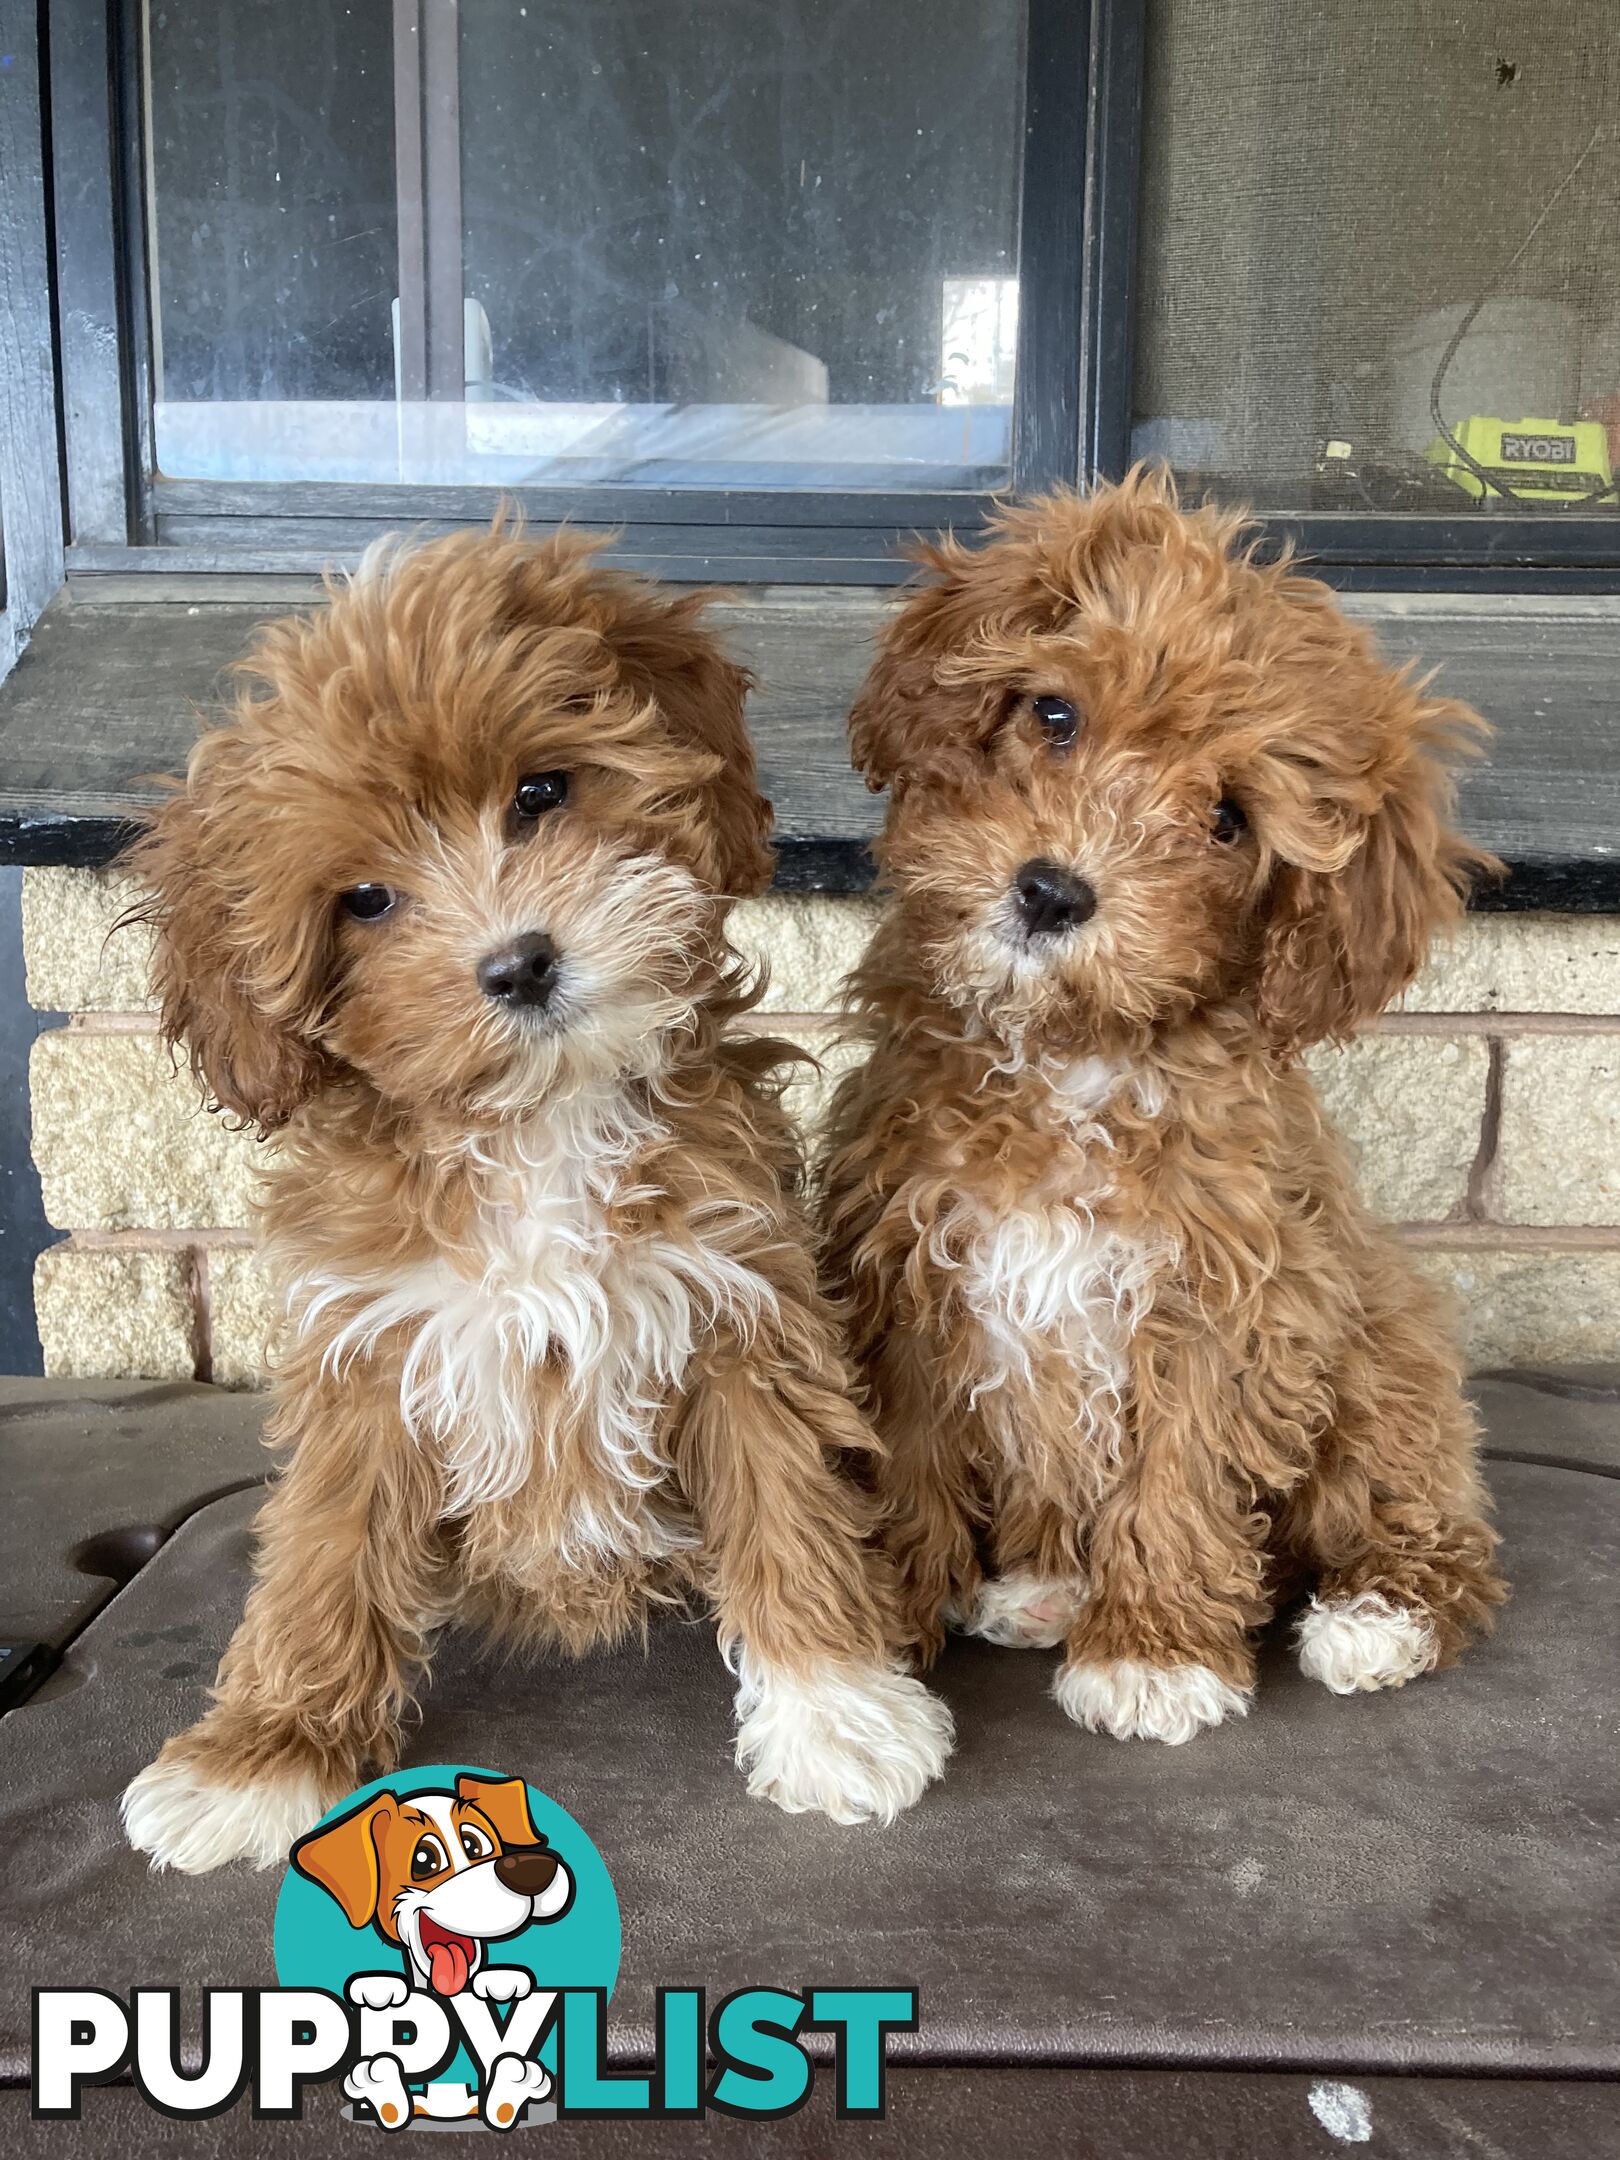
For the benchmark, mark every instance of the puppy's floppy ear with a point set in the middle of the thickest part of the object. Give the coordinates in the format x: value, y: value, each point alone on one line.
x: 343, y: 1858
x: 1361, y: 892
x: 702, y: 694
x: 232, y: 968
x: 896, y: 724
x: 506, y: 1802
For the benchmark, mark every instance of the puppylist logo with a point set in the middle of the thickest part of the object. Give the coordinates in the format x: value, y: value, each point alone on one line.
x: 447, y: 1943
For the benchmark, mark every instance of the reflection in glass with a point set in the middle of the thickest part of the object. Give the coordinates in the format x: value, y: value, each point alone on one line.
x: 767, y: 243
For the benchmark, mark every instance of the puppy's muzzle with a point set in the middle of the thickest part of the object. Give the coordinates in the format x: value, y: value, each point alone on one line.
x: 527, y: 1869
x: 523, y: 975
x: 1051, y: 899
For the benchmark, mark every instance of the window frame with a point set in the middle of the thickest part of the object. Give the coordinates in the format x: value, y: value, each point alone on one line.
x: 125, y: 517
x: 31, y: 534
x: 1072, y: 415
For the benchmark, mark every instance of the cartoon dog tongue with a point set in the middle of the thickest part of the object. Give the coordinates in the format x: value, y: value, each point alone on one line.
x: 448, y: 1963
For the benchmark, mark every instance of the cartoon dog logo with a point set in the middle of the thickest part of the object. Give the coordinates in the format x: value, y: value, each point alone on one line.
x: 440, y: 1876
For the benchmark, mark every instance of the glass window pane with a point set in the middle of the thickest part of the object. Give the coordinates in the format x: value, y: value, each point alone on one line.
x: 749, y: 243
x: 1354, y: 215
x: 270, y: 158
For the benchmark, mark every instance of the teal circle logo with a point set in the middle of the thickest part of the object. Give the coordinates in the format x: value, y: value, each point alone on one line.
x: 448, y: 1904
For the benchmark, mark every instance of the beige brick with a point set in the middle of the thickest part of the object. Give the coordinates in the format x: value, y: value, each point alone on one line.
x: 1524, y: 963
x: 809, y: 940
x: 243, y: 1312
x: 122, y: 1140
x: 1559, y: 1154
x: 1524, y: 1308
x: 1498, y: 963
x: 76, y: 960
x: 1411, y: 1108
x: 810, y: 1090
x: 118, y: 1313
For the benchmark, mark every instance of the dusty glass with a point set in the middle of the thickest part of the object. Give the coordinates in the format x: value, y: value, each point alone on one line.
x: 746, y: 243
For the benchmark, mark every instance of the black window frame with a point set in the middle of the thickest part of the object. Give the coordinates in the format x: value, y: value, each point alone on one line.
x: 124, y: 516
x: 31, y: 533
x: 1077, y: 269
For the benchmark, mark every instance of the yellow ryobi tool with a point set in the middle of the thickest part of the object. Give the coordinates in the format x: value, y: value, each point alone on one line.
x: 1534, y: 461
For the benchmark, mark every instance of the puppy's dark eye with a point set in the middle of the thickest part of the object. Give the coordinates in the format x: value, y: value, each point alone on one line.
x: 1227, y: 821
x: 366, y: 902
x: 539, y: 792
x: 1060, y: 720
x: 429, y: 1858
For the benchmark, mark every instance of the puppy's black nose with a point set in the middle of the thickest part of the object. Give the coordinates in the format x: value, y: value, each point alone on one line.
x: 523, y: 973
x: 527, y: 1869
x: 1052, y: 899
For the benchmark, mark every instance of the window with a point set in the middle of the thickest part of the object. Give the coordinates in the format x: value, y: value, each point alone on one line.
x: 764, y: 286
x: 1377, y: 271
x: 743, y: 279
x: 579, y: 242
x: 30, y: 499
x: 761, y: 285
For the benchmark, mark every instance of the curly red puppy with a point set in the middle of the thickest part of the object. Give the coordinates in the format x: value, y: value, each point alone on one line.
x: 1159, y: 818
x: 443, y: 907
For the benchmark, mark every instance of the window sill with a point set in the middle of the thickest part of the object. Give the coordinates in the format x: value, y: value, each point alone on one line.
x: 104, y: 695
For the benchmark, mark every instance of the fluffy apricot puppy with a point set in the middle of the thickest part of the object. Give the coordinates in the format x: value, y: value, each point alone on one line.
x: 443, y: 907
x: 1159, y: 818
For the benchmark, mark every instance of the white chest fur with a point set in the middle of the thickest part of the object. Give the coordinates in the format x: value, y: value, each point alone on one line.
x: 548, y: 1277
x: 1054, y: 1284
x: 1046, y: 1282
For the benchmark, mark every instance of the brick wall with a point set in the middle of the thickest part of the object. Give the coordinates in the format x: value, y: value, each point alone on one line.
x: 1485, y: 1115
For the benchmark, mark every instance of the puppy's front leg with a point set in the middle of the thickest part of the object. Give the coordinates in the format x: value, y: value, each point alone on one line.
x: 929, y: 1506
x: 1393, y: 1516
x: 1177, y: 1563
x: 828, y: 1720
x: 313, y: 1681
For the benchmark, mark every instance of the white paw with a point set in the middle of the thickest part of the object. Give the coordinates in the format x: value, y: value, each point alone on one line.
x: 1026, y: 1612
x: 1147, y: 1702
x: 185, y: 1821
x: 857, y: 1744
x: 1353, y: 1645
x: 378, y: 1991
x: 513, y: 2083
x: 503, y: 1983
x: 379, y: 2082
